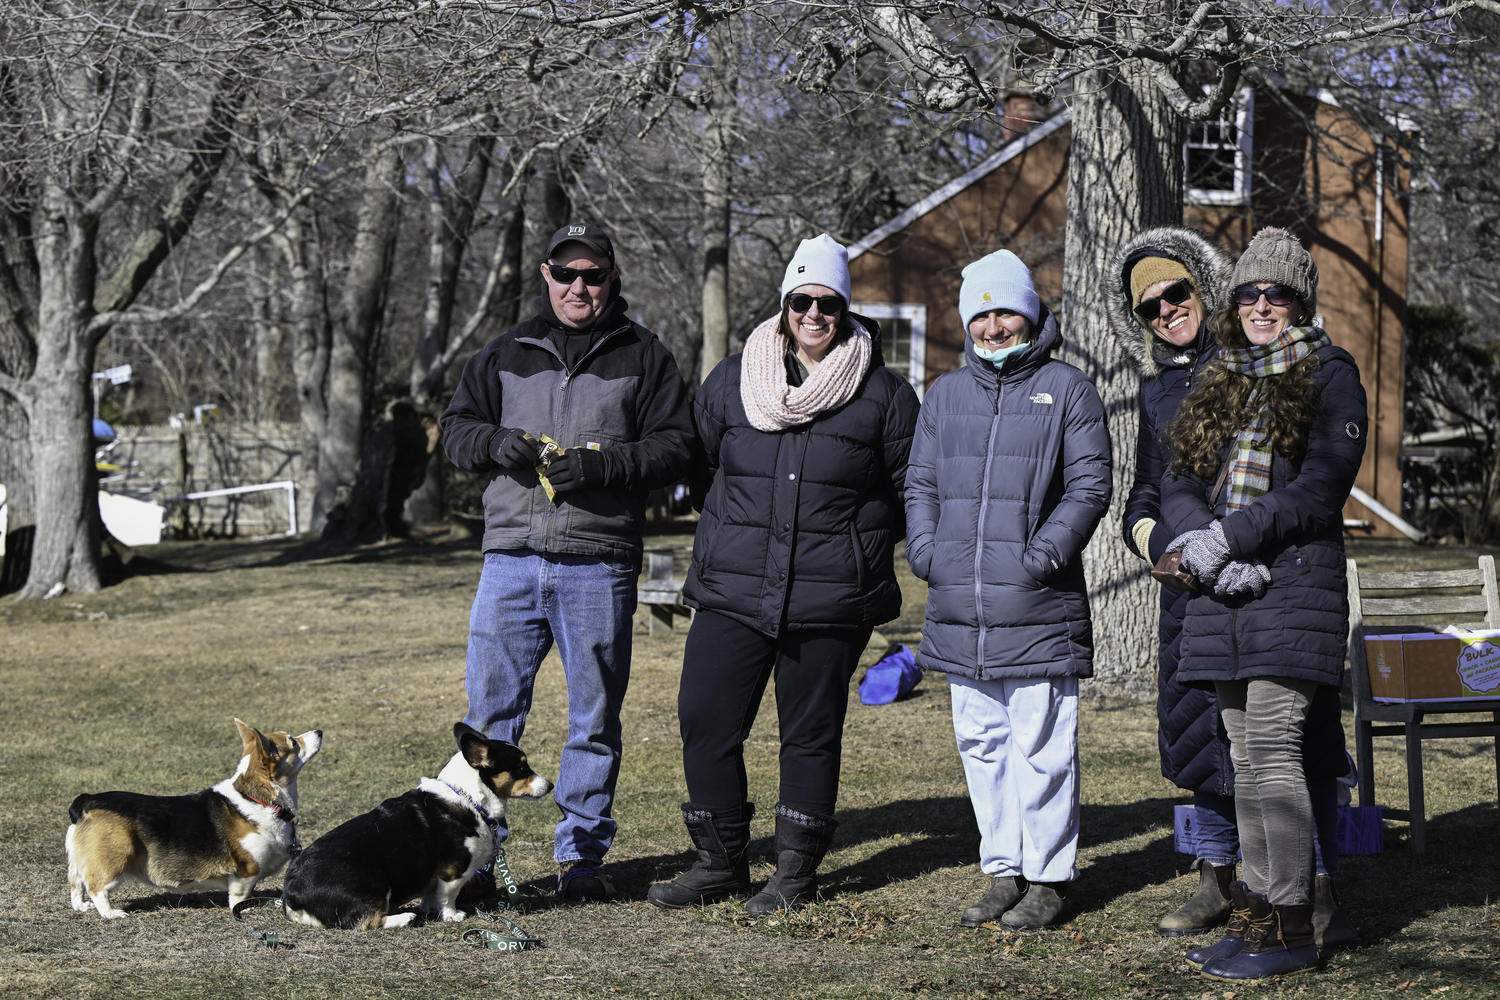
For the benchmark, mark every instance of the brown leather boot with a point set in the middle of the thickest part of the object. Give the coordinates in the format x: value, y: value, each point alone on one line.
x: 1279, y: 942
x: 1208, y: 907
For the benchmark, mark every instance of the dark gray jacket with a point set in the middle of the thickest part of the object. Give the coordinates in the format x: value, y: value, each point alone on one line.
x: 1008, y: 478
x: 624, y: 395
x: 1299, y: 629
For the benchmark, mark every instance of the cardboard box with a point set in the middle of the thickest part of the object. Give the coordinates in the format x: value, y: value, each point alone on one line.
x: 1359, y: 830
x: 1434, y: 666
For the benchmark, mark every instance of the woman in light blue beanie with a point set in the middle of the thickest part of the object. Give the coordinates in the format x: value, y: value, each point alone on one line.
x: 997, y: 294
x: 1009, y: 476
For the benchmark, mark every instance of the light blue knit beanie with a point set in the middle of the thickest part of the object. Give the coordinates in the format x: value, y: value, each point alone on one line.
x: 999, y: 281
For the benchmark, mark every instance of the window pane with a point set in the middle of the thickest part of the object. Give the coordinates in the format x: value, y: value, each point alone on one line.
x: 1210, y: 169
x: 895, y: 340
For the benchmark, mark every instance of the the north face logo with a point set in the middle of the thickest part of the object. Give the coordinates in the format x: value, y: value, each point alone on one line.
x: 1042, y: 397
x: 576, y: 230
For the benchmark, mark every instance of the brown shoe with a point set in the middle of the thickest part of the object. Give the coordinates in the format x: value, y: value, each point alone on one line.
x: 1208, y: 907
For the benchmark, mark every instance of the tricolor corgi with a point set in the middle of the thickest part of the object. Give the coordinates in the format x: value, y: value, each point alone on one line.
x: 229, y: 836
x: 420, y: 846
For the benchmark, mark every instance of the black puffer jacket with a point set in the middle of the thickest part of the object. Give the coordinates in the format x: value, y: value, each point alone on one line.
x: 798, y: 526
x: 1010, y: 474
x: 1299, y: 628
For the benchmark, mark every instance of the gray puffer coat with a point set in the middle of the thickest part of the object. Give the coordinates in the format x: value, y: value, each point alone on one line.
x: 1008, y: 478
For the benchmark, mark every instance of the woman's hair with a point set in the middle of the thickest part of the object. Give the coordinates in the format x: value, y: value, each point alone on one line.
x: 1215, y: 409
x: 842, y: 330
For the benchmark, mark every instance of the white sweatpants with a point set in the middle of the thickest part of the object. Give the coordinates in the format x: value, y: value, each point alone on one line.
x: 1018, y: 740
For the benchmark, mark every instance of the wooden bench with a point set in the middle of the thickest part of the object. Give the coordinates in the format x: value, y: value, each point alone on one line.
x: 1409, y: 719
x: 661, y: 591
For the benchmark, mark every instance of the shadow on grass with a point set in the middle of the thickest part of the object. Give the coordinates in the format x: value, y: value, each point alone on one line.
x: 945, y: 836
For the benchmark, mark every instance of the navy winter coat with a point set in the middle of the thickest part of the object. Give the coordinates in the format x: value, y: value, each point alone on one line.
x: 799, y: 526
x: 1009, y: 476
x: 1194, y: 747
x: 1299, y: 628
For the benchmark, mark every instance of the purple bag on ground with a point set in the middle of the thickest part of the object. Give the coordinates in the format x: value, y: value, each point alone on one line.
x: 894, y: 676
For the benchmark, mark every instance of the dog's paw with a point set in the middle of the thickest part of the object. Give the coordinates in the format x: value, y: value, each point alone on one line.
x: 452, y: 916
x: 80, y: 903
x: 400, y: 919
x: 110, y: 913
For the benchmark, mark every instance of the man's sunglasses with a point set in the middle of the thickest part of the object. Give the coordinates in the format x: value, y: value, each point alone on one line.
x: 1176, y: 293
x: 592, y: 276
x: 1277, y: 295
x: 801, y: 302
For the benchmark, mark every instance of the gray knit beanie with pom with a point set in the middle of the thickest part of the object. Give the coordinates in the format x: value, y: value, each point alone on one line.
x: 1278, y: 257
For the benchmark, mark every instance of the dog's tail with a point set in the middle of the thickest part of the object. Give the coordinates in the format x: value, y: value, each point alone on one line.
x: 80, y: 806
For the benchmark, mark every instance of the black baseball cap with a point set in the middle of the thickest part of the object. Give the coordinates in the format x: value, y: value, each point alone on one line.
x: 591, y: 237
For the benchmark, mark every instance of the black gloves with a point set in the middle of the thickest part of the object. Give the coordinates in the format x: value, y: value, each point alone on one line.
x: 578, y: 469
x: 1041, y: 560
x: 515, y: 449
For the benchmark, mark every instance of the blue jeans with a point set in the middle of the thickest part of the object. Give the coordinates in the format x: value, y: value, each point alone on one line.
x: 526, y: 601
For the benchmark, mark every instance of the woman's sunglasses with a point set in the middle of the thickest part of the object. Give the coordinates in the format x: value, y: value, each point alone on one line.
x: 801, y: 302
x: 592, y: 276
x: 1277, y: 295
x: 1176, y: 293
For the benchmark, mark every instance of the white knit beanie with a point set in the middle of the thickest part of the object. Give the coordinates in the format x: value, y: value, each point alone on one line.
x: 999, y: 281
x: 818, y: 261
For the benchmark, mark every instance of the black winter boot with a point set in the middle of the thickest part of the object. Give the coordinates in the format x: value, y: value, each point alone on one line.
x: 1332, y: 929
x: 1209, y: 906
x: 801, y: 841
x: 721, y: 871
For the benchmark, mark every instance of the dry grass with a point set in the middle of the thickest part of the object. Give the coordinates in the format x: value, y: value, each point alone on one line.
x: 369, y: 645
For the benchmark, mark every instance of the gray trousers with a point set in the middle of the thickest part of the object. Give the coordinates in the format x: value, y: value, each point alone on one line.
x: 1265, y: 718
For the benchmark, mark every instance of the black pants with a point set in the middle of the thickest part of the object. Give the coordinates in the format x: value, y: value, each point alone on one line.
x: 725, y: 669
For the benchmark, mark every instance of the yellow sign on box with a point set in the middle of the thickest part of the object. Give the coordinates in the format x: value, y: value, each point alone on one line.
x: 1434, y: 666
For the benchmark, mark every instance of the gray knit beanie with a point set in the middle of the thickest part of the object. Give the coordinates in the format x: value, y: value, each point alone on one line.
x: 1277, y: 256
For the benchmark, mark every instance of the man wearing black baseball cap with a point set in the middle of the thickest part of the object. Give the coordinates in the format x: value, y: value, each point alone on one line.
x: 561, y: 566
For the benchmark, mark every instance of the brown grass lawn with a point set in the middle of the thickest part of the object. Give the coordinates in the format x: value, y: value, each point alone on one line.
x: 135, y: 687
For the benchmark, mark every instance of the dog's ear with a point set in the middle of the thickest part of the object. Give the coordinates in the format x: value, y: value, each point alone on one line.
x: 254, y: 740
x: 472, y: 744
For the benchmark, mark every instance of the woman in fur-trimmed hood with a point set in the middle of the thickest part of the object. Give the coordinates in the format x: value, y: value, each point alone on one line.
x: 1169, y: 343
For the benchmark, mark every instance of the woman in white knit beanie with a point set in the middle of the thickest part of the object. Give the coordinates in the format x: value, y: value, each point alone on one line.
x: 805, y: 437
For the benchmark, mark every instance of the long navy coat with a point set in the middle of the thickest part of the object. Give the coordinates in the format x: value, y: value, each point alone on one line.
x: 1009, y: 476
x: 1299, y: 629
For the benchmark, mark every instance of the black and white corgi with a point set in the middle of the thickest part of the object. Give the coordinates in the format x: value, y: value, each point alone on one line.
x: 229, y: 836
x: 423, y: 845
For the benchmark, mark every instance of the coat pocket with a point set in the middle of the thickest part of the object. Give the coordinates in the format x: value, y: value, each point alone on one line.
x: 861, y: 570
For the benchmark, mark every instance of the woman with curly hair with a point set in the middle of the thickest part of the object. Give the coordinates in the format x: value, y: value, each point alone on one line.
x: 1265, y: 449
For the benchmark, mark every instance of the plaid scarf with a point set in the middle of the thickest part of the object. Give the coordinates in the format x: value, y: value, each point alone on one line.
x: 1250, y: 475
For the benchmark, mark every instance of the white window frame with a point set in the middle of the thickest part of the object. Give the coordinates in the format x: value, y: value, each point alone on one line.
x: 917, y: 315
x: 1244, y: 128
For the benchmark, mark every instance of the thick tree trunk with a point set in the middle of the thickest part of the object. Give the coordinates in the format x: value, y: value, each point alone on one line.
x: 723, y: 69
x: 65, y: 492
x: 1125, y: 175
x: 355, y: 327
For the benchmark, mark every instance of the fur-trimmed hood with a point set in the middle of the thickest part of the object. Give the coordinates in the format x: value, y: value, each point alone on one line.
x: 1204, y: 259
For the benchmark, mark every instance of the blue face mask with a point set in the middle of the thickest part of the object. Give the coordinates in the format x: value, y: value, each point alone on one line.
x: 997, y: 358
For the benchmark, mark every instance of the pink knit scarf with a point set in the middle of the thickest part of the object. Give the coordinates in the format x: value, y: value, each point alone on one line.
x: 772, y: 404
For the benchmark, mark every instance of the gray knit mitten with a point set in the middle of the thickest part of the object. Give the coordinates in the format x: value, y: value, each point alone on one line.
x: 1240, y: 576
x: 1204, y: 552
